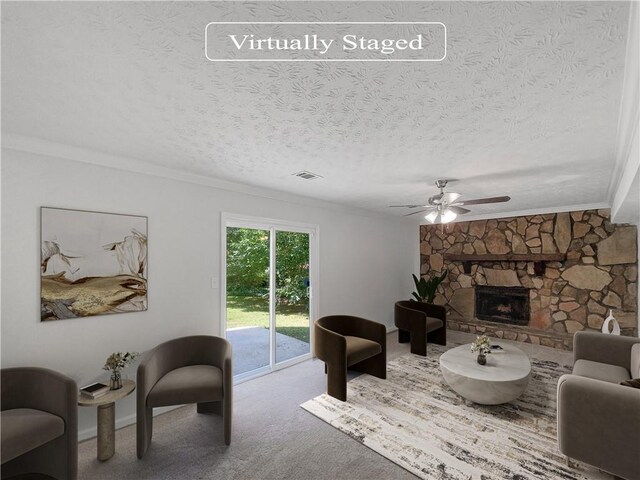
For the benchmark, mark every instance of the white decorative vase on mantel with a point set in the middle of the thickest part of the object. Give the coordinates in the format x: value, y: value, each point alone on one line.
x: 611, y: 319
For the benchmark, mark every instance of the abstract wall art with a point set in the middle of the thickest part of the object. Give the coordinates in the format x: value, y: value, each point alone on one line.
x: 92, y: 263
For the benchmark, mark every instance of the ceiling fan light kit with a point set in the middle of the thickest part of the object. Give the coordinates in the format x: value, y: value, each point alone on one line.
x: 444, y: 216
x: 448, y: 216
x: 445, y: 207
x: 431, y: 217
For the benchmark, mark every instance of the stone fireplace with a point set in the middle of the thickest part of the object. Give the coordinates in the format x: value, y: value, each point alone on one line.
x: 502, y: 304
x: 575, y: 266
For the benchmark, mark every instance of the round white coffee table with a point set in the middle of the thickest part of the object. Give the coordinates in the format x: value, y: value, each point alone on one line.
x: 503, y: 379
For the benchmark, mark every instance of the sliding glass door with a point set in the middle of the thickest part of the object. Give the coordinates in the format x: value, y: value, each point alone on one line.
x: 247, y: 309
x: 291, y: 319
x: 267, y: 299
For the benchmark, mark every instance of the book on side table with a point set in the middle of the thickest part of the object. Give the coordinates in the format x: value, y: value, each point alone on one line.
x: 94, y: 390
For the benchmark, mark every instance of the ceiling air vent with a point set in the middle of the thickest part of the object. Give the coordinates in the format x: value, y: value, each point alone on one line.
x: 307, y: 175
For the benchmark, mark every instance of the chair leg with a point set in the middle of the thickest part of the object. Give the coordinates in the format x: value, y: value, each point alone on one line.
x: 337, y: 382
x: 144, y: 430
x: 210, y: 407
x: 227, y: 418
x: 438, y: 336
x: 419, y: 343
x: 222, y: 408
x: 376, y: 366
x: 403, y: 336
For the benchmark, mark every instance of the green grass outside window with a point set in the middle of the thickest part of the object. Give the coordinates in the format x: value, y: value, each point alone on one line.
x: 291, y: 320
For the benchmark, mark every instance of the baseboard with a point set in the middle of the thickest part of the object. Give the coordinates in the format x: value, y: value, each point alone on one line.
x: 122, y: 422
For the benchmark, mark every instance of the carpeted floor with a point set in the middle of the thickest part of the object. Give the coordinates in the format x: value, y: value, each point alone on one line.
x: 415, y: 419
x: 273, y: 438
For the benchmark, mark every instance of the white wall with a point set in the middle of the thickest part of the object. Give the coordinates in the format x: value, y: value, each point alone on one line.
x: 624, y: 187
x: 365, y: 262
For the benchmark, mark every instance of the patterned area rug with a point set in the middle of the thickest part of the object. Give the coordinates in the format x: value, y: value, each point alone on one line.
x: 415, y: 420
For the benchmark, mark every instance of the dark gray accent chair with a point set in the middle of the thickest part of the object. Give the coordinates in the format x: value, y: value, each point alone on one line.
x: 599, y: 419
x: 343, y: 341
x: 39, y: 423
x: 420, y: 323
x: 196, y: 369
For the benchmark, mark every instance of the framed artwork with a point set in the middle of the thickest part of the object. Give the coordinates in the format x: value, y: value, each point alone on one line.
x: 92, y: 263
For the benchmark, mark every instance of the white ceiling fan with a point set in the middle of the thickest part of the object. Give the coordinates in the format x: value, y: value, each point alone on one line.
x: 445, y: 207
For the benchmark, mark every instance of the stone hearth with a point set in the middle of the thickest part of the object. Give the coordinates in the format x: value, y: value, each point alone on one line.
x: 599, y: 273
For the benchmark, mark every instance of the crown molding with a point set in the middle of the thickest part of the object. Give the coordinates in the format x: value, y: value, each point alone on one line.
x: 627, y: 160
x: 38, y: 146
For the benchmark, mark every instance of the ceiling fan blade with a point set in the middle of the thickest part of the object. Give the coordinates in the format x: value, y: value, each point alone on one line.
x: 406, y: 206
x: 450, y: 197
x: 480, y: 201
x: 458, y: 210
x: 419, y: 211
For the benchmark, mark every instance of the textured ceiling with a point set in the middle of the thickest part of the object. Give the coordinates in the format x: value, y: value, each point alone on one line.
x: 525, y: 104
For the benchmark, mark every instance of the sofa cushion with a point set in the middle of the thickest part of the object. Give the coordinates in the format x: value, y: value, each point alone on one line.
x: 24, y: 429
x: 635, y: 361
x: 359, y: 349
x: 192, y: 384
x: 600, y: 371
x: 434, y: 324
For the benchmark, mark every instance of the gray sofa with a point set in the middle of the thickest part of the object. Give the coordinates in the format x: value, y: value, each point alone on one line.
x: 599, y: 419
x: 39, y: 423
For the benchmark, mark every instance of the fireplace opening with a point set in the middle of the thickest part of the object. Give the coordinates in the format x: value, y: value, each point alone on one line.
x: 503, y: 304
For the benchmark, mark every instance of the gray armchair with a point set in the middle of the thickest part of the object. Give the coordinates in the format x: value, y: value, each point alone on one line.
x: 195, y: 369
x: 419, y: 323
x: 39, y: 423
x: 343, y: 341
x: 599, y: 419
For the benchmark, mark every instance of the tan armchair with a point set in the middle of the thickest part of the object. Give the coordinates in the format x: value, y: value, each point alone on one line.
x: 39, y: 423
x: 342, y: 342
x: 420, y: 323
x: 194, y: 369
x: 599, y: 419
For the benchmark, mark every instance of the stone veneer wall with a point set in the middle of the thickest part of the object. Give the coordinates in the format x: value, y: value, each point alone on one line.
x: 600, y: 272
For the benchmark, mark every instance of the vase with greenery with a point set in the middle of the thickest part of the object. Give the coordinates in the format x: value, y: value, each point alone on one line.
x: 426, y: 288
x: 482, y: 346
x: 115, y: 363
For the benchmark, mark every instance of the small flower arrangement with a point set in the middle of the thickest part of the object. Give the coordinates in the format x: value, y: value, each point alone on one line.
x: 482, y: 345
x: 115, y: 363
x: 118, y: 360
